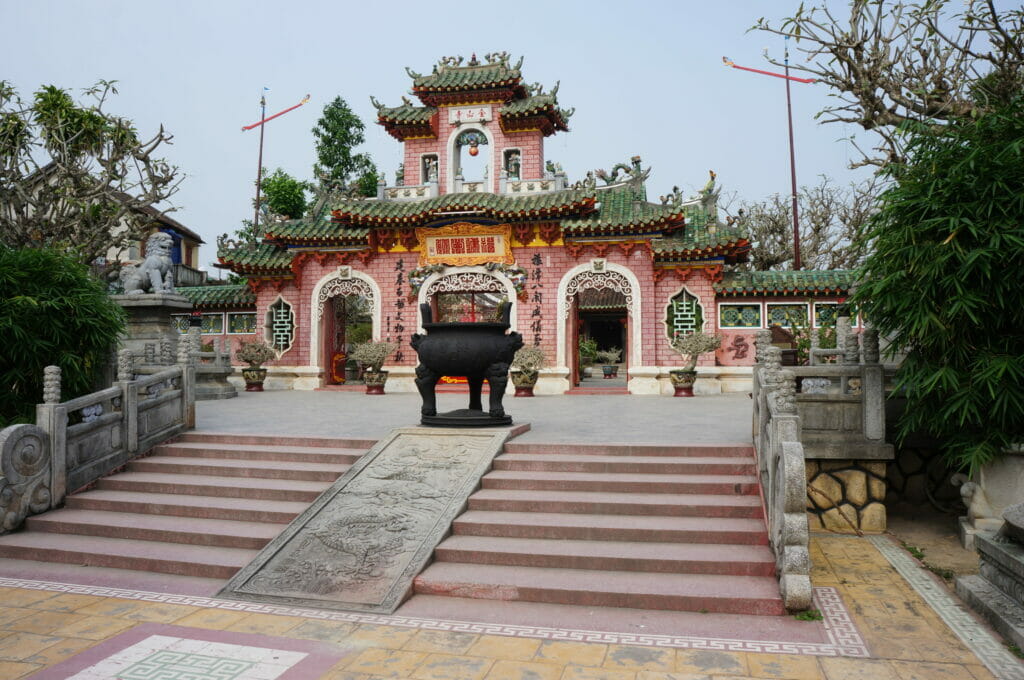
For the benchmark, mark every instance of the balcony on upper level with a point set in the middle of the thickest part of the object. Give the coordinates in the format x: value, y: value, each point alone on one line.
x: 513, y: 186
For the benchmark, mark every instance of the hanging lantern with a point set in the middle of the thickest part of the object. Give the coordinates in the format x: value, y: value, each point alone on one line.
x: 473, y: 149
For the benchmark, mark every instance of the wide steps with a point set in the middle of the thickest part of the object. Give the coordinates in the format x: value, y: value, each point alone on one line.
x: 209, y: 485
x: 596, y: 502
x: 670, y: 558
x: 694, y: 592
x: 149, y: 527
x: 634, y: 450
x: 570, y: 462
x: 260, y: 452
x: 620, y: 483
x: 178, y: 505
x: 553, y: 525
x: 96, y: 551
x: 264, y: 469
x: 274, y: 440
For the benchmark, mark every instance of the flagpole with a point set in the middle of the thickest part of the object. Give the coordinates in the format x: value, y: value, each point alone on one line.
x: 259, y: 168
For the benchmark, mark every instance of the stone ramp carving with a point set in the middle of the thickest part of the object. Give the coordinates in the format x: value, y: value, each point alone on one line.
x: 359, y: 546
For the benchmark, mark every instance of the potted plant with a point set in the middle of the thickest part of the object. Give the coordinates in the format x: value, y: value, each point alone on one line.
x: 525, y: 369
x: 690, y: 347
x: 372, y: 355
x: 588, y: 353
x: 609, y: 360
x: 255, y: 353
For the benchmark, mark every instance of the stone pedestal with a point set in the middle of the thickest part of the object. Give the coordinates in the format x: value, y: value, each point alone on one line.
x: 149, y: 319
x: 997, y: 593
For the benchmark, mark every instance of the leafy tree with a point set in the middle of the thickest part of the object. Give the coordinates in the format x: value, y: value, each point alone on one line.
x: 892, y: 63
x: 831, y: 218
x: 73, y: 175
x: 284, y: 194
x: 337, y: 133
x: 946, y: 281
x: 52, y: 312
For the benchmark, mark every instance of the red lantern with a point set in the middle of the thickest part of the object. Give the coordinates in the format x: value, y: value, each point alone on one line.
x: 473, y: 150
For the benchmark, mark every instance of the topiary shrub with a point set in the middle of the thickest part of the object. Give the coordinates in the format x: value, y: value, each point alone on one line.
x: 52, y: 312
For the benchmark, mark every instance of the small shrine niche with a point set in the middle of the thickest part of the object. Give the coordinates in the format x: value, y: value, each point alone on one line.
x: 513, y: 163
x: 428, y: 168
x: 468, y: 162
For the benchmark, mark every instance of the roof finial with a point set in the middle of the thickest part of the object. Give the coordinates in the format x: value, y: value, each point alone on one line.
x: 473, y: 61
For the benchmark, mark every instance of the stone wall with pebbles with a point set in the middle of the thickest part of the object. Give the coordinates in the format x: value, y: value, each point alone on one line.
x: 846, y: 494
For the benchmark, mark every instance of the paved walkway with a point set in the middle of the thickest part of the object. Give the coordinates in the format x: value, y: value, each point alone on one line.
x: 611, y: 419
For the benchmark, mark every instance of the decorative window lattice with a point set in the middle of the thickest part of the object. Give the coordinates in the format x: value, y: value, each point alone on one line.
x: 180, y: 323
x: 466, y: 282
x: 280, y: 326
x: 739, y: 316
x: 213, y: 324
x: 825, y: 314
x: 241, y: 322
x: 599, y: 281
x: 787, y: 315
x: 336, y: 287
x: 684, y: 315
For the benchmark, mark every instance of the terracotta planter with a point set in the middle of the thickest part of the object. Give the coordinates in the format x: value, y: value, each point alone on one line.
x: 683, y: 381
x: 524, y: 382
x: 610, y: 371
x: 254, y: 378
x: 375, y: 381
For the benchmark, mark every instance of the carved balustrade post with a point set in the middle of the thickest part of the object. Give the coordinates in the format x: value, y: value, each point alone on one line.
x: 762, y: 341
x: 52, y: 419
x: 129, y: 398
x: 872, y: 388
x: 25, y: 486
x: 186, y: 359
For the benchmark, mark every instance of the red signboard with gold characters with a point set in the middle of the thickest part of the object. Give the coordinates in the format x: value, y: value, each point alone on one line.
x: 465, y: 244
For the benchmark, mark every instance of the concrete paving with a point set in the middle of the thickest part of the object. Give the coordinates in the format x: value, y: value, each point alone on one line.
x: 606, y: 419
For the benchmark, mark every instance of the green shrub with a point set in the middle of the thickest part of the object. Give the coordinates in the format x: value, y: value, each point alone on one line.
x: 52, y: 312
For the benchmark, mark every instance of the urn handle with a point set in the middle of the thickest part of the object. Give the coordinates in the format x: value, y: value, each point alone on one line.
x: 426, y: 313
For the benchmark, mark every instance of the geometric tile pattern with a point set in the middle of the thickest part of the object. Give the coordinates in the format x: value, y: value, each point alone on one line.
x: 975, y: 636
x: 839, y: 630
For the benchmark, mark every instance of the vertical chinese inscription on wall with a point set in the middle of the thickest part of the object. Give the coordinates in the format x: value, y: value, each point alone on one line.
x: 400, y: 304
x: 536, y: 298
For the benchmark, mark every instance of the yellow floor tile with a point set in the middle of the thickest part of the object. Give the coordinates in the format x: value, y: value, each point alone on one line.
x: 211, y: 619
x: 265, y: 624
x: 917, y: 670
x: 587, y: 673
x: 9, y: 670
x: 676, y: 675
x: 624, y: 657
x: 500, y: 647
x: 789, y: 666
x: 21, y: 646
x: 388, y: 663
x: 711, y: 662
x: 980, y: 672
x: 347, y: 675
x: 95, y: 627
x: 325, y: 631
x: 524, y: 670
x: 111, y: 606
x: 576, y: 653
x: 440, y: 642
x: 857, y: 669
x: 63, y: 649
x: 451, y: 667
x: 43, y: 622
x: 20, y: 597
x: 163, y: 613
x: 387, y: 637
x: 67, y: 602
x: 8, y: 614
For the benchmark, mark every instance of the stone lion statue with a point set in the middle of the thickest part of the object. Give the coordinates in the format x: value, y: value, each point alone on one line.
x: 155, y: 274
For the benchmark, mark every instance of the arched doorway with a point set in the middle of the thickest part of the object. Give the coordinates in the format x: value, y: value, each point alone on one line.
x: 345, y: 309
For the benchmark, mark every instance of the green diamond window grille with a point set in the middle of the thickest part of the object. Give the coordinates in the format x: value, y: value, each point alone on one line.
x: 213, y: 324
x: 787, y: 315
x: 241, y: 323
x: 825, y: 314
x: 280, y: 326
x: 684, y: 315
x: 180, y: 323
x: 739, y: 316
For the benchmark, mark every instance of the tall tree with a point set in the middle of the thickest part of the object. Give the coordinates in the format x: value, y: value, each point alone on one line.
x: 74, y: 176
x: 337, y: 133
x: 283, y: 194
x: 892, y: 63
x: 831, y: 217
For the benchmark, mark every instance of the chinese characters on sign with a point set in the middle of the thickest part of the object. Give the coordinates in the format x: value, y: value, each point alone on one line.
x: 536, y: 298
x: 463, y: 244
x: 469, y: 114
x: 399, y: 325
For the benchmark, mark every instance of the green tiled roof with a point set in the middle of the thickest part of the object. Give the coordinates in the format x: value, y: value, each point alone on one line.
x: 697, y: 236
x: 265, y: 257
x: 468, y: 77
x: 314, y: 229
x: 407, y: 114
x: 523, y: 107
x: 786, y: 282
x: 410, y: 213
x: 219, y: 296
x: 623, y: 208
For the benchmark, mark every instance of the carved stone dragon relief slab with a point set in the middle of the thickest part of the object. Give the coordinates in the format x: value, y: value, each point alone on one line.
x: 359, y: 546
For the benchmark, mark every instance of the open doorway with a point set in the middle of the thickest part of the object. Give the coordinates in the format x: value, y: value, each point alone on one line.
x: 348, y: 322
x: 602, y: 321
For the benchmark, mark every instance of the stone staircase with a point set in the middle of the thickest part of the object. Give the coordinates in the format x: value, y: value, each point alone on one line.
x: 667, y: 528
x: 202, y: 506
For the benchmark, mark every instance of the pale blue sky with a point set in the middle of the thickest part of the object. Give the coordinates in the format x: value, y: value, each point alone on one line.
x: 646, y: 78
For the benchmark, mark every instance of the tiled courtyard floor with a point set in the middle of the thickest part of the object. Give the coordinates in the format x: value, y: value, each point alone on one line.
x: 52, y: 631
